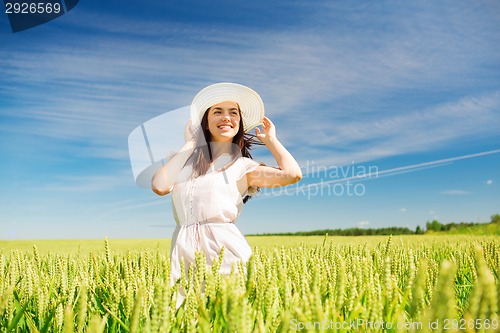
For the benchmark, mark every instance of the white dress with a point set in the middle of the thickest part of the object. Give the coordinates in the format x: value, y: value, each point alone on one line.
x: 205, y: 210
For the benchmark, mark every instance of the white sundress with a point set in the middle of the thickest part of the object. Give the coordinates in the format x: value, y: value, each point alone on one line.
x: 205, y: 210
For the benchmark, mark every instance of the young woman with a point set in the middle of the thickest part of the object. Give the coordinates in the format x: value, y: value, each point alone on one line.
x: 213, y: 174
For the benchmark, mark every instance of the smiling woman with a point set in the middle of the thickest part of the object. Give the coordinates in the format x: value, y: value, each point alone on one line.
x: 213, y: 175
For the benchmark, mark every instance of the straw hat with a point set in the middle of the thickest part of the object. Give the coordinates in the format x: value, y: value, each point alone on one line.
x: 251, y: 105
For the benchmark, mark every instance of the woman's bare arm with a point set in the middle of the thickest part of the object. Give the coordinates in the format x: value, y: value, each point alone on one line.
x: 164, y: 179
x: 288, y: 171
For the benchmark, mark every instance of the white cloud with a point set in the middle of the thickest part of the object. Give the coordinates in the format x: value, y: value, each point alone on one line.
x: 403, y: 210
x: 489, y: 182
x: 363, y: 224
x: 433, y: 214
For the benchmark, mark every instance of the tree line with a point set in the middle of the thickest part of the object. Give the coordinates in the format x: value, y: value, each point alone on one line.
x: 430, y: 226
x: 436, y: 226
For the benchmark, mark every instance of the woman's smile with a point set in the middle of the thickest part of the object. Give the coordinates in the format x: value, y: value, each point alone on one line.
x: 225, y: 126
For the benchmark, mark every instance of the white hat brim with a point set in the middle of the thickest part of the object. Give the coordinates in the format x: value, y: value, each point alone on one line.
x: 251, y: 105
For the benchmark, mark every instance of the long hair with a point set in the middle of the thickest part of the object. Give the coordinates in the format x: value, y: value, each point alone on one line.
x: 242, y: 143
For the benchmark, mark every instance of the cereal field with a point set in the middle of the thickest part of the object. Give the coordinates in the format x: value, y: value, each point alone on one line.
x: 306, y: 284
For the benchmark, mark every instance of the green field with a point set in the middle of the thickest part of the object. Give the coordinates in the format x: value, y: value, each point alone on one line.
x: 438, y: 283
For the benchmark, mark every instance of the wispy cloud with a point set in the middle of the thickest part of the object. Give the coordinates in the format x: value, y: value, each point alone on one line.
x: 383, y: 173
x: 312, y: 80
x: 393, y: 134
x: 98, y: 183
x: 99, y: 91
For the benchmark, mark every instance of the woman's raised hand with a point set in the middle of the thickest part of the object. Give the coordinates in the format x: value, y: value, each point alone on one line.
x: 190, y: 131
x: 268, y: 131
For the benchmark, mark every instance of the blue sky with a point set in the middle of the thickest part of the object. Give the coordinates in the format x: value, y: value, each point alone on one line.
x: 350, y: 86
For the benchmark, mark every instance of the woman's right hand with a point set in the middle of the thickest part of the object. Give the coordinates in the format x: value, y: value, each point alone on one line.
x: 189, y: 132
x: 165, y: 177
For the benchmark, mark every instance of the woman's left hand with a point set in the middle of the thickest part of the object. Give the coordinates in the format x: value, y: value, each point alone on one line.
x: 268, y: 131
x: 288, y: 170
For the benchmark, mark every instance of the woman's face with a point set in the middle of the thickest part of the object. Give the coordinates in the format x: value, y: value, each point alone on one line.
x: 224, y: 121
